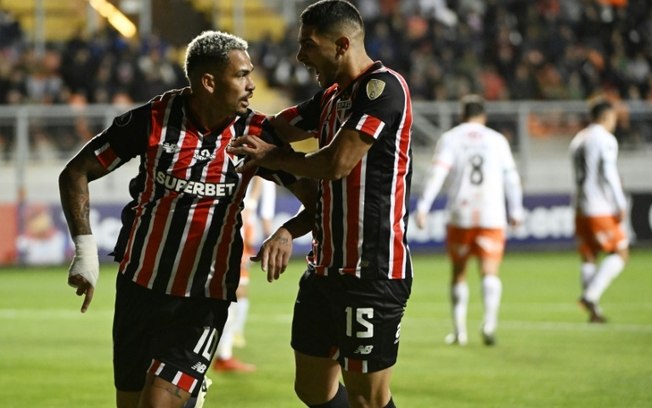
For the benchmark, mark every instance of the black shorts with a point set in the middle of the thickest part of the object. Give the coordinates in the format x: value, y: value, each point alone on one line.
x: 354, y: 321
x: 172, y: 337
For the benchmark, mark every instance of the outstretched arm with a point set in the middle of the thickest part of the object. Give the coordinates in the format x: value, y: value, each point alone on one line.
x: 75, y: 201
x: 287, y: 132
x: 331, y: 162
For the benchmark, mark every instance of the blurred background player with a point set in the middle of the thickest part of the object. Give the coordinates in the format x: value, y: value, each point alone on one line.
x: 481, y: 171
x: 600, y: 206
x: 238, y: 311
x: 261, y: 197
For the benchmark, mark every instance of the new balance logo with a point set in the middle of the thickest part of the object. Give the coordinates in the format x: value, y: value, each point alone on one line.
x: 200, y: 367
x: 170, y: 148
x: 364, y: 350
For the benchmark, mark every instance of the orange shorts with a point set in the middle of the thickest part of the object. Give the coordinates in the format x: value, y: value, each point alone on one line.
x: 485, y: 243
x: 595, y: 234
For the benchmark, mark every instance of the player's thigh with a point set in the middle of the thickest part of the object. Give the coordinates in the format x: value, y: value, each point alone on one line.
x: 185, y: 340
x: 610, y: 235
x: 489, y: 242
x: 313, y: 327
x: 169, y: 337
x: 316, y: 379
x: 458, y: 247
x: 161, y: 393
x: 368, y: 320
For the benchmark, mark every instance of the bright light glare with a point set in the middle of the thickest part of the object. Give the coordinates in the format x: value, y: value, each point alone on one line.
x: 114, y: 17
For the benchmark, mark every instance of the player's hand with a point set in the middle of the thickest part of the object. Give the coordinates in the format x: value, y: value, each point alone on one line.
x: 84, y: 269
x: 515, y: 222
x: 275, y: 253
x: 258, y: 152
x: 621, y: 216
x: 420, y: 219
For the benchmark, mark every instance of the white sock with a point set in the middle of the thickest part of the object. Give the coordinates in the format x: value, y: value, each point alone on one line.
x: 610, y: 267
x: 225, y: 346
x: 240, y: 318
x: 459, y: 304
x: 492, y: 289
x: 587, y: 273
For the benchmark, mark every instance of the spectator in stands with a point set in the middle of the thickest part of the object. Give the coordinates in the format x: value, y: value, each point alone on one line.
x: 582, y: 46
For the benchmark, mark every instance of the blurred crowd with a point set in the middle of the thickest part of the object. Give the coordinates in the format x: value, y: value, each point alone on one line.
x: 502, y: 49
x: 103, y: 69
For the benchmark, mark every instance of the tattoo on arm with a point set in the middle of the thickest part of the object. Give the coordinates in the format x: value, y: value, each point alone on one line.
x: 282, y: 240
x: 74, y: 193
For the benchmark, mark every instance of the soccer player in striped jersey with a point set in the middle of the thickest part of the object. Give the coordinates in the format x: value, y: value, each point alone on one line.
x: 180, y: 247
x: 481, y: 171
x: 600, y: 207
x: 353, y: 294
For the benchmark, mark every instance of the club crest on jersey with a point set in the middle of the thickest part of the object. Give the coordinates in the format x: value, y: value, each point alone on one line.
x: 375, y: 88
x: 204, y: 155
x: 342, y: 106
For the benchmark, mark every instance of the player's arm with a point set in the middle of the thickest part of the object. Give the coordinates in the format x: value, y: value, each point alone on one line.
x: 75, y: 201
x: 288, y: 132
x: 434, y: 182
x: 331, y: 162
x: 442, y: 161
x: 512, y: 185
x: 612, y: 177
x: 276, y: 250
x: 514, y: 196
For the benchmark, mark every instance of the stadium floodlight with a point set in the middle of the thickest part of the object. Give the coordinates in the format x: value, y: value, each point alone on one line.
x: 115, y: 17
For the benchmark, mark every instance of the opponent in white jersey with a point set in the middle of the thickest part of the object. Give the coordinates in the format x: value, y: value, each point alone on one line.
x: 600, y: 206
x: 260, y: 203
x: 481, y: 171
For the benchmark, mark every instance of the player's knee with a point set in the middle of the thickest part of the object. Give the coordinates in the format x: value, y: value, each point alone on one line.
x: 307, y: 394
x: 339, y: 400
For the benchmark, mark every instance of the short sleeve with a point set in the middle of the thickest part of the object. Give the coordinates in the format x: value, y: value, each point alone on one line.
x: 305, y: 115
x: 381, y: 100
x: 124, y: 139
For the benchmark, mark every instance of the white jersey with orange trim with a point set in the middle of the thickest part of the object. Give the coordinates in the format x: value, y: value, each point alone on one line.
x: 598, y: 190
x: 481, y: 173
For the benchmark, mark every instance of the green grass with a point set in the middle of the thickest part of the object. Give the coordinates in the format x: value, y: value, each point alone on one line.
x: 546, y: 356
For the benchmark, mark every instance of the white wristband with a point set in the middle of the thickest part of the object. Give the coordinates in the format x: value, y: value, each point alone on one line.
x: 86, y: 261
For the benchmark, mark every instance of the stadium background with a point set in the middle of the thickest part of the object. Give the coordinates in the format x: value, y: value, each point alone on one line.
x: 64, y: 74
x: 68, y: 67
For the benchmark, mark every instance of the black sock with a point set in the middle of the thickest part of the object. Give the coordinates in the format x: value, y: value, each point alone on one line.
x: 340, y: 400
x: 390, y: 404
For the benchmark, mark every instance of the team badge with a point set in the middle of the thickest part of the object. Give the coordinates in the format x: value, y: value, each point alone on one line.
x: 342, y: 106
x: 375, y: 88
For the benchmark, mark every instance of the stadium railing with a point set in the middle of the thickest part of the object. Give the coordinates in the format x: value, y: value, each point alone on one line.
x: 37, y: 140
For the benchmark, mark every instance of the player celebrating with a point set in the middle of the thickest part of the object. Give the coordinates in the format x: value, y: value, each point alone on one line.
x: 180, y: 247
x: 600, y: 207
x: 354, y: 292
x: 479, y: 164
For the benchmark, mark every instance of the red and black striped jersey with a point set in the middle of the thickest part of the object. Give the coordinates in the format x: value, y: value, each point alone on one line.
x: 361, y: 221
x: 181, y: 233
